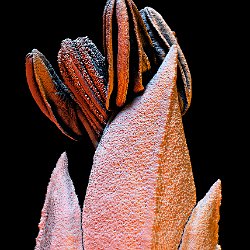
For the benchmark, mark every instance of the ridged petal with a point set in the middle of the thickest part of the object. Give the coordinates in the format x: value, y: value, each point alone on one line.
x: 76, y: 104
x: 141, y: 189
x: 163, y: 38
x: 84, y: 73
x: 128, y: 50
x: 52, y: 96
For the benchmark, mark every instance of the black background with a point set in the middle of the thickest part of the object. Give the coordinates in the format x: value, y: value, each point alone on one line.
x: 212, y: 39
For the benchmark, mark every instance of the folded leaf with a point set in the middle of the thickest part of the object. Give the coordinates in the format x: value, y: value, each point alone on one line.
x: 141, y: 189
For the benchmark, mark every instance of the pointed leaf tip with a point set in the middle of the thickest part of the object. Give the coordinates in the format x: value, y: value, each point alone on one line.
x: 60, y: 223
x: 202, y: 229
x: 141, y: 189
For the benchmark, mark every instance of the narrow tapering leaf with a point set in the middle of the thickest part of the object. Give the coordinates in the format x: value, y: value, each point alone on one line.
x: 141, y: 189
x: 60, y: 223
x: 202, y: 228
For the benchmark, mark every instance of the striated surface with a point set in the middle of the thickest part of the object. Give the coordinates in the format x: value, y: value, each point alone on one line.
x: 141, y: 189
x: 52, y: 95
x: 163, y: 38
x: 128, y: 49
x: 201, y: 231
x: 76, y: 104
x: 60, y: 224
x: 83, y: 69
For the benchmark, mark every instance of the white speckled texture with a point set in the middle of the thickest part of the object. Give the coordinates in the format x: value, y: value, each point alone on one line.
x: 141, y: 189
x: 218, y: 247
x: 60, y: 224
x: 201, y: 231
